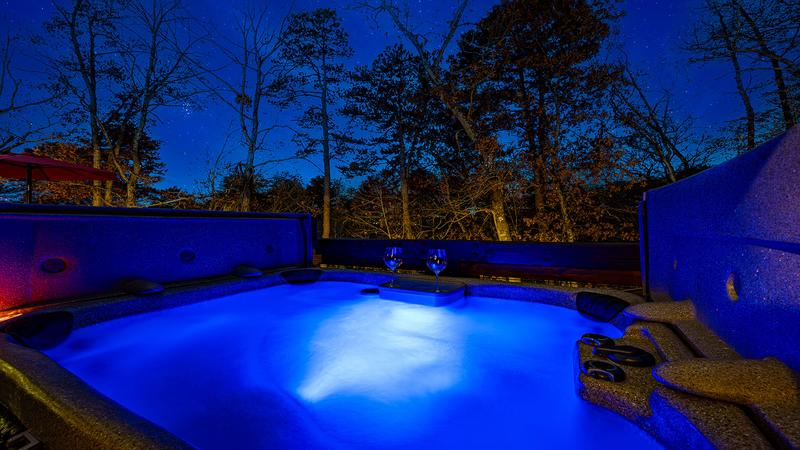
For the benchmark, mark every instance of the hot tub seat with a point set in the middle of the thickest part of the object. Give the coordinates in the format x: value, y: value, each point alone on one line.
x: 681, y: 400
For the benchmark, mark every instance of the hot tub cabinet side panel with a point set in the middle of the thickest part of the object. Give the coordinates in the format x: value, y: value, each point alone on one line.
x: 48, y: 255
x: 16, y: 264
x: 728, y: 239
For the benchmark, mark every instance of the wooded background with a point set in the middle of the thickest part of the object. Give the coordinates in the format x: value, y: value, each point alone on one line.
x: 526, y: 125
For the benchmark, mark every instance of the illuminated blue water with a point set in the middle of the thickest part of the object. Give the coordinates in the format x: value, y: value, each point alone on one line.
x: 321, y: 366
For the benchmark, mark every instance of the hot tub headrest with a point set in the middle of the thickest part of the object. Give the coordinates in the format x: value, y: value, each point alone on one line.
x: 40, y: 330
x: 301, y: 276
x: 600, y: 307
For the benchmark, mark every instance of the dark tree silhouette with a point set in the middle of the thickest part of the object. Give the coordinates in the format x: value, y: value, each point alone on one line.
x: 545, y: 88
x: 80, y: 152
x: 760, y: 19
x: 655, y: 133
x: 314, y: 45
x: 715, y: 38
x: 157, y: 49
x: 84, y: 67
x: 392, y: 99
x: 122, y: 61
x: 760, y: 39
x: 433, y: 64
x: 16, y: 98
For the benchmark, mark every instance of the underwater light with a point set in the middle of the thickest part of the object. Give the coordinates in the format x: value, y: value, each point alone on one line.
x: 385, y: 351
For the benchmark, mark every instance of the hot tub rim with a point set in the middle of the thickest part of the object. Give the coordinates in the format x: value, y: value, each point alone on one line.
x: 40, y: 391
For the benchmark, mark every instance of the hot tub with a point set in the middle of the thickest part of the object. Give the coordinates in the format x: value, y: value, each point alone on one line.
x: 216, y: 361
x: 325, y: 365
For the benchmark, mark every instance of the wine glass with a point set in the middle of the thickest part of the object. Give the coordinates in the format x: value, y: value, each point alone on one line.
x: 393, y: 257
x: 437, y: 261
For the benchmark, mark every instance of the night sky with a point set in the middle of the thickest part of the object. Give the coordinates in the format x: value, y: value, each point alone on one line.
x: 650, y: 33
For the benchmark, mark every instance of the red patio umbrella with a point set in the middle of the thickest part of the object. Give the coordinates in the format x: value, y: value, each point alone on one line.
x: 29, y: 167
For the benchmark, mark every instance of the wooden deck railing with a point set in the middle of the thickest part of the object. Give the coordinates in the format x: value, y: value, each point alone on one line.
x: 604, y: 263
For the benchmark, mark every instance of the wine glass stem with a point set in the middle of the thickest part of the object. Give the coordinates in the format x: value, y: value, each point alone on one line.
x: 437, y: 282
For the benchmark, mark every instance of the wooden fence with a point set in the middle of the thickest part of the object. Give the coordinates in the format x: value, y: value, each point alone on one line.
x: 604, y: 263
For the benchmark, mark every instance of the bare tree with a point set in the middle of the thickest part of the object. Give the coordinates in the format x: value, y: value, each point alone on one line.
x: 714, y: 38
x: 655, y: 133
x: 123, y: 60
x: 16, y: 98
x: 253, y: 82
x: 86, y: 65
x: 758, y: 26
x: 373, y: 209
x: 214, y: 172
x: 156, y: 48
x: 761, y: 40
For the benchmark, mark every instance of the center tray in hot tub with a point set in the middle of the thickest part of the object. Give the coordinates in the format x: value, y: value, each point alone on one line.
x: 422, y: 292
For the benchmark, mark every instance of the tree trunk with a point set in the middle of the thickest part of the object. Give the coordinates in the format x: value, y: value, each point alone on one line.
x: 544, y: 147
x: 668, y: 169
x: 88, y: 71
x: 533, y: 151
x: 249, y: 168
x: 549, y: 142
x: 326, y: 162
x: 432, y: 69
x: 147, y: 93
x: 566, y: 223
x: 750, y: 115
x: 499, y: 215
x: 130, y: 190
x: 783, y: 94
x: 248, y: 182
x: 108, y: 198
x: 136, y: 169
x: 488, y: 148
x: 97, y: 155
x: 250, y: 137
x: 730, y: 45
x: 407, y: 233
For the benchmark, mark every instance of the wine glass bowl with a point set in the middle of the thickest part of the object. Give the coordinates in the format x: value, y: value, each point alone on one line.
x: 436, y: 261
x: 393, y: 258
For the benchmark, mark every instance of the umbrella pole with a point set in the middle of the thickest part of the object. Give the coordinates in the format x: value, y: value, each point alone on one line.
x: 29, y: 179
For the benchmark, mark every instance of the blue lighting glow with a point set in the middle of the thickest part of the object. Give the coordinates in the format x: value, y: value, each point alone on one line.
x: 322, y: 367
x: 374, y: 349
